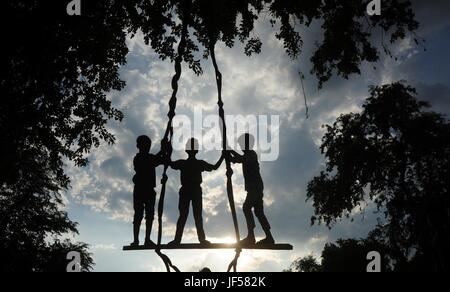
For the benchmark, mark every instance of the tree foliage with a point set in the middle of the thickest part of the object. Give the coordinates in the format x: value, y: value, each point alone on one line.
x: 55, y: 72
x: 396, y: 154
x: 307, y: 264
x: 344, y: 255
x: 350, y: 36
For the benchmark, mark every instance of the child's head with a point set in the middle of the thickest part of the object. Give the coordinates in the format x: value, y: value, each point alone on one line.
x: 192, y: 147
x: 143, y: 143
x: 247, y: 142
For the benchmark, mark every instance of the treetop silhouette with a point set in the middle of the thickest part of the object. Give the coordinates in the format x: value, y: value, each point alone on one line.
x: 394, y: 153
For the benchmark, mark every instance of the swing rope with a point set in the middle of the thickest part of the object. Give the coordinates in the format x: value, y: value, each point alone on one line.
x: 166, y: 147
x: 166, y: 143
x: 230, y: 193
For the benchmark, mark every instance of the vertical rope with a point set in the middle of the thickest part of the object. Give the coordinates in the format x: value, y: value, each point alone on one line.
x: 167, y: 140
x: 225, y: 144
x: 234, y: 262
x: 302, y: 77
x: 227, y: 157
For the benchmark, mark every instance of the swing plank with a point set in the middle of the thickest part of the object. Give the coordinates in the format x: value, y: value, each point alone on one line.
x: 279, y: 246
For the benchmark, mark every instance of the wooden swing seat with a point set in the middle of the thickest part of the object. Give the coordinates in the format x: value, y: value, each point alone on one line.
x: 280, y: 246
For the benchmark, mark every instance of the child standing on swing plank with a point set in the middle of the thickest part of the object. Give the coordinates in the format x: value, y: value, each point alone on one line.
x: 144, y: 194
x: 255, y: 190
x: 191, y: 190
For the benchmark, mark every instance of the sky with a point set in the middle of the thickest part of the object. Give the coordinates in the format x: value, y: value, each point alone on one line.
x: 100, y: 198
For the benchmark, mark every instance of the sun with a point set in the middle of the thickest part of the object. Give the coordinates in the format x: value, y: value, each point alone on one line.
x: 227, y: 239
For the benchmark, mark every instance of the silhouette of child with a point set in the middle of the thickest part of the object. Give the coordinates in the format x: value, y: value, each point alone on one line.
x: 255, y: 190
x: 191, y: 190
x: 144, y: 194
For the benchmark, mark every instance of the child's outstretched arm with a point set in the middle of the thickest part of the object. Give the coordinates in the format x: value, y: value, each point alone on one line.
x: 163, y: 153
x: 209, y: 167
x: 236, y: 157
x: 160, y: 158
x: 219, y: 163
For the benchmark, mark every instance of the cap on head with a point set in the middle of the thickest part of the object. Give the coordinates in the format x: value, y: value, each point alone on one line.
x: 247, y: 142
x: 192, y: 146
x: 144, y: 143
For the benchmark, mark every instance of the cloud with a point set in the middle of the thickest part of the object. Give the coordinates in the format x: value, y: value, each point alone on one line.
x: 100, y: 247
x: 438, y: 95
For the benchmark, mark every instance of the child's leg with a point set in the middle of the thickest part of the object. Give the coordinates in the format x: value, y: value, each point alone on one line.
x: 247, y: 208
x: 183, y: 207
x: 149, y: 216
x: 138, y: 206
x: 259, y: 212
x: 197, y: 207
